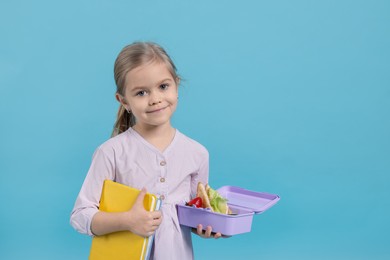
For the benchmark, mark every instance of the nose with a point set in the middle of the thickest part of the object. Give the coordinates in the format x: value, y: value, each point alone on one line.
x: 154, y: 98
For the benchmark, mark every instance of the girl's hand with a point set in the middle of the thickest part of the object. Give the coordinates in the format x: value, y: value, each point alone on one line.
x: 208, y: 233
x: 142, y: 222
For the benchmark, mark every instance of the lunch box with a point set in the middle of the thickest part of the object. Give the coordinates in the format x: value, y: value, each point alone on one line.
x: 243, y: 203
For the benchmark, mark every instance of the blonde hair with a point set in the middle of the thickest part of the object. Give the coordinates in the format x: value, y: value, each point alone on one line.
x: 131, y: 57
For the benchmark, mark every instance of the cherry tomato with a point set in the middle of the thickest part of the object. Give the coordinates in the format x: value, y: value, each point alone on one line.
x: 197, y: 202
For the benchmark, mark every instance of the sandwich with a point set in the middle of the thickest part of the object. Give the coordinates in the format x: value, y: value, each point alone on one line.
x: 211, y: 199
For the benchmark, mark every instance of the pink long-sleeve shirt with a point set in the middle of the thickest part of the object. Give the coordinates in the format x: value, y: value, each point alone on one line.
x: 172, y: 175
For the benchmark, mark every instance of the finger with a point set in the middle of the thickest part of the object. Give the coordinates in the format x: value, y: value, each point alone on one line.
x: 140, y: 198
x: 153, y: 228
x: 156, y: 214
x: 217, y: 235
x: 208, y: 231
x: 199, y: 229
x: 156, y: 222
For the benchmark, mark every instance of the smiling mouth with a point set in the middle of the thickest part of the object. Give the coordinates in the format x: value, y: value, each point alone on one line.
x: 156, y: 110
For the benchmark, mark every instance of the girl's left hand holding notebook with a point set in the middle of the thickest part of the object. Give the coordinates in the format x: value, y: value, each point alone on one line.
x: 137, y: 220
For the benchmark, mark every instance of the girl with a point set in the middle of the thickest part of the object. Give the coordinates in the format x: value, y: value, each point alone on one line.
x: 147, y: 153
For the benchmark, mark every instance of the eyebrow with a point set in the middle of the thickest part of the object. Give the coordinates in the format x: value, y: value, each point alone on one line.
x: 137, y: 88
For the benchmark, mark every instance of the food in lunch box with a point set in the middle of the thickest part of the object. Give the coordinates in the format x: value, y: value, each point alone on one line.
x: 209, y: 198
x: 197, y: 202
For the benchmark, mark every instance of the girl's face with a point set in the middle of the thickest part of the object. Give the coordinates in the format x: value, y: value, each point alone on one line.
x: 151, y: 94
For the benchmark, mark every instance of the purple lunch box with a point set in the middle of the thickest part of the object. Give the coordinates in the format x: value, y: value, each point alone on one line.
x: 243, y: 203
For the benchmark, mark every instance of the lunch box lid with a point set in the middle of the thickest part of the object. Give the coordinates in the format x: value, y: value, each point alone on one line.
x: 258, y: 202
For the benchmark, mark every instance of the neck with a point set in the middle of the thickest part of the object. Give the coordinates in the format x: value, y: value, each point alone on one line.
x: 159, y: 136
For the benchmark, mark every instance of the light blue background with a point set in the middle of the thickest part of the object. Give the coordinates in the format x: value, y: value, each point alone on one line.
x: 290, y: 97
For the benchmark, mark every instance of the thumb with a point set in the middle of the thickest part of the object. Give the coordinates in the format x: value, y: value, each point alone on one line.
x: 141, y: 196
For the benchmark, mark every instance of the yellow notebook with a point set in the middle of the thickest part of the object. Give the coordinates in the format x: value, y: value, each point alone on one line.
x: 124, y: 245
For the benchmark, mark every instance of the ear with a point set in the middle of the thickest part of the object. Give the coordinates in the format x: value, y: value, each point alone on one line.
x: 121, y: 100
x: 177, y: 81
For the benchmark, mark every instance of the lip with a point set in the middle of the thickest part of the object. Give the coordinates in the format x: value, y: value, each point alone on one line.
x: 156, y: 110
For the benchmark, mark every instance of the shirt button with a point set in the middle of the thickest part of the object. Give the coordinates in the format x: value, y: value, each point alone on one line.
x: 162, y: 197
x: 162, y: 179
x: 163, y: 163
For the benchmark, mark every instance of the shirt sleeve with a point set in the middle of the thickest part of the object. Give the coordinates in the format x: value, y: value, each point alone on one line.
x: 202, y: 175
x: 87, y: 202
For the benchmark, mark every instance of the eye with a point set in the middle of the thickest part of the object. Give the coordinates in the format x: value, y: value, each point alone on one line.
x: 164, y: 86
x: 141, y: 93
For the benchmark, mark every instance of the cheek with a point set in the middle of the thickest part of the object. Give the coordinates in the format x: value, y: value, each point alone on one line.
x: 135, y: 105
x: 174, y: 100
x: 174, y: 96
